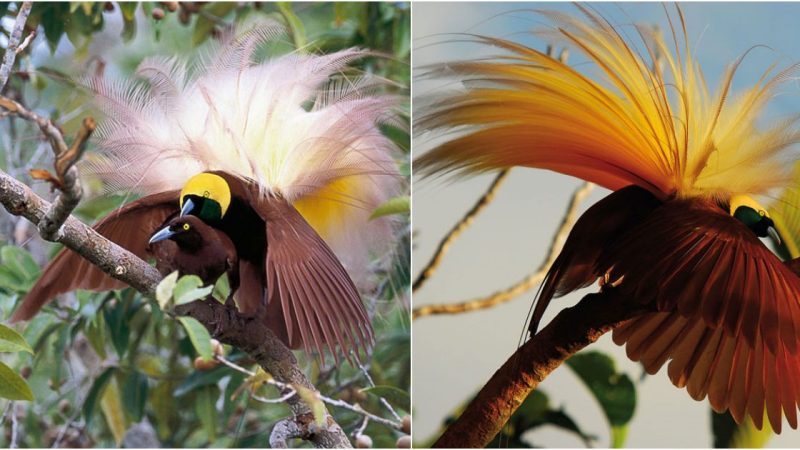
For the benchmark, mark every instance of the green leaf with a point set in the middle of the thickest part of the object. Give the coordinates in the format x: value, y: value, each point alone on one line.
x: 188, y: 289
x: 11, y: 341
x: 13, y: 386
x: 613, y: 390
x: 312, y: 399
x: 296, y: 27
x: 402, y: 36
x: 206, y: 410
x: 20, y: 261
x: 199, y: 336
x: 95, y: 392
x: 53, y: 22
x: 392, y: 394
x: 202, y: 30
x: 729, y: 434
x: 116, y: 316
x: 128, y: 9
x: 222, y: 288
x: 111, y: 404
x: 396, y: 205
x: 198, y: 379
x: 165, y: 289
x: 134, y: 395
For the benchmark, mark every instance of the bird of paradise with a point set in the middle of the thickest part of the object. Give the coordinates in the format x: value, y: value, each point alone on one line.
x: 681, y: 230
x: 285, y: 156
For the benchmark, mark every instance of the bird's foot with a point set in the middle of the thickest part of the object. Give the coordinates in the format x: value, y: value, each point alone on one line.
x: 605, y: 281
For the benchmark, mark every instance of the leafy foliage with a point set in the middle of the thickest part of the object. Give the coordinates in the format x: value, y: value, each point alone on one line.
x: 613, y: 390
x: 104, y: 362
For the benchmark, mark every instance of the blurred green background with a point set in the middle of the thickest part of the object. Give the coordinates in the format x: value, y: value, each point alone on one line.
x: 106, y: 370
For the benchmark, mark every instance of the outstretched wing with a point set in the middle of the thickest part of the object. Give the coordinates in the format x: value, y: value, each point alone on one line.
x: 576, y: 265
x: 320, y: 303
x: 129, y: 227
x: 708, y: 361
x: 692, y: 257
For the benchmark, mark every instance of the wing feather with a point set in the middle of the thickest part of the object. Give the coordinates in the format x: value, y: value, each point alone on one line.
x: 721, y: 272
x: 576, y: 265
x: 748, y: 381
x: 130, y: 227
x: 316, y: 293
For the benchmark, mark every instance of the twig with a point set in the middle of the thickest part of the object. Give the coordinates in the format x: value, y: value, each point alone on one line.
x: 571, y: 330
x: 499, y: 297
x: 14, y: 426
x: 69, y: 185
x: 31, y: 36
x: 359, y: 410
x: 283, y: 386
x: 49, y: 129
x: 13, y: 43
x: 361, y: 429
x: 459, y: 228
x: 334, y: 402
x: 383, y: 400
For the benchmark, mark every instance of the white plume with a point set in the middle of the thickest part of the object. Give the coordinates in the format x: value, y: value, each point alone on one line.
x: 295, y: 123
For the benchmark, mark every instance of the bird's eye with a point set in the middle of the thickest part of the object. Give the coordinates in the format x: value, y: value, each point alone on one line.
x: 762, y: 213
x: 186, y: 227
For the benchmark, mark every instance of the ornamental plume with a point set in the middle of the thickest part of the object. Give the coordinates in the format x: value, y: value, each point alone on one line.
x: 647, y: 119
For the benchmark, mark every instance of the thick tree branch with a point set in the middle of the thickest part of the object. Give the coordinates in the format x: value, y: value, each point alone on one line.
x: 284, y: 431
x: 13, y: 43
x: 527, y: 283
x: 112, y: 259
x: 571, y: 330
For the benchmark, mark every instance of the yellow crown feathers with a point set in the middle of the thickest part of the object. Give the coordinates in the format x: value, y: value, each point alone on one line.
x: 211, y: 186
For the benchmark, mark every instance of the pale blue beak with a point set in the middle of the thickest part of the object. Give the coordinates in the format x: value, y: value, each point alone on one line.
x: 188, y: 206
x: 164, y: 233
x: 773, y: 233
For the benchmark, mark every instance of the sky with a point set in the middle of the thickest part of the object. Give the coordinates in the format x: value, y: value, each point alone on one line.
x: 454, y: 355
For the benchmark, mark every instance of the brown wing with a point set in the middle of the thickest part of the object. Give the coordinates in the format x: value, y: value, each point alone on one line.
x: 130, y: 227
x: 318, y: 298
x: 692, y: 257
x: 599, y: 226
x: 708, y: 361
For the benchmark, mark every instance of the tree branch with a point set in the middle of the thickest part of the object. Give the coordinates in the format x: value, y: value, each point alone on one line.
x: 500, y: 297
x: 571, y: 330
x: 20, y: 200
x: 455, y: 232
x: 13, y: 43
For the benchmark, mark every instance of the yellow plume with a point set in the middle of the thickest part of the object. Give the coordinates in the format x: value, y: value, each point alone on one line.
x: 648, y: 119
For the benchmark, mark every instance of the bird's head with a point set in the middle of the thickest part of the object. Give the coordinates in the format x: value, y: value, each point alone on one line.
x: 749, y: 212
x: 207, y: 196
x: 186, y: 231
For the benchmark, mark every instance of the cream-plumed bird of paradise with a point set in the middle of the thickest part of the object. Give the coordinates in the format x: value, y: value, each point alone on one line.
x: 681, y: 230
x: 285, y: 156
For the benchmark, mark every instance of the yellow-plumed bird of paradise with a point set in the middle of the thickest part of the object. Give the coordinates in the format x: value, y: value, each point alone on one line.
x: 681, y: 230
